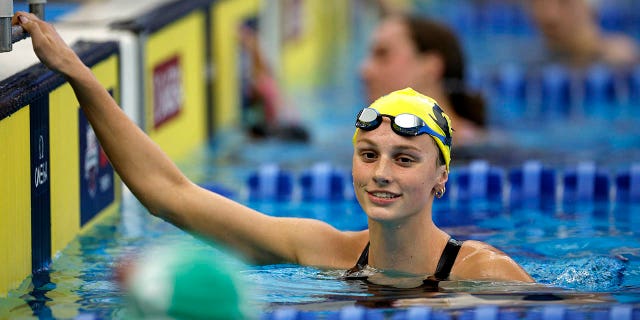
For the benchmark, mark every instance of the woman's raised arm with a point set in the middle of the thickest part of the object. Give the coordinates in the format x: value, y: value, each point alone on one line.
x: 166, y: 192
x: 146, y: 170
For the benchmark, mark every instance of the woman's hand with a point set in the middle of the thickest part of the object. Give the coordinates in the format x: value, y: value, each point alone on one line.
x: 47, y: 43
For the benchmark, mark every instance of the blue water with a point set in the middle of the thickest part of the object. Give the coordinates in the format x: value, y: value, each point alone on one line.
x: 574, y: 251
x: 586, y: 253
x: 581, y: 252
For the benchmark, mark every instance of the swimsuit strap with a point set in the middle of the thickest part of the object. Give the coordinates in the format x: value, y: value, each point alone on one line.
x: 448, y: 257
x: 362, y: 261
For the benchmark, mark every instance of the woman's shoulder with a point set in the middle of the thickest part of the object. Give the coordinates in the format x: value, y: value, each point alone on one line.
x: 474, y: 252
x: 357, y: 238
x: 480, y: 247
x: 482, y: 261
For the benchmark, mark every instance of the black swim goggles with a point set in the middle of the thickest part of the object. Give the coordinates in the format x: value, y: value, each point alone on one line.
x: 404, y: 124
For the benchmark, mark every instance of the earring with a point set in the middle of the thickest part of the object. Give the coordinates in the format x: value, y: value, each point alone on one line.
x: 440, y: 192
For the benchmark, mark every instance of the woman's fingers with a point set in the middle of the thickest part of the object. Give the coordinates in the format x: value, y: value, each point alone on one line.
x: 30, y: 23
x: 47, y: 43
x: 27, y: 22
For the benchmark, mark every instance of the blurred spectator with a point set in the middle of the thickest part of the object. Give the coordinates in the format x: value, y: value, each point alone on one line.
x: 267, y: 114
x: 571, y: 32
x: 413, y: 51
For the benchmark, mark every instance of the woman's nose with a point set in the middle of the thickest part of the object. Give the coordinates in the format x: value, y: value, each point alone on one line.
x: 381, y: 173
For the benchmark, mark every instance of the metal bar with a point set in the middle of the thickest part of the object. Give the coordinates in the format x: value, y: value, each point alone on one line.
x: 37, y: 7
x: 17, y: 34
x: 6, y: 12
x: 11, y: 34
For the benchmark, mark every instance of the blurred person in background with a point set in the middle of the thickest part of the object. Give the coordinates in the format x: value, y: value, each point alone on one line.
x: 268, y: 113
x: 413, y: 51
x: 573, y: 36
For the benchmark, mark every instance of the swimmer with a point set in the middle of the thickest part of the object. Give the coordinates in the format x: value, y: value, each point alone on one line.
x: 402, y: 152
x: 417, y: 52
x: 270, y: 114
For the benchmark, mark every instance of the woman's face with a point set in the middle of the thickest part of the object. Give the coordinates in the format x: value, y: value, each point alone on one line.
x: 394, y: 177
x: 393, y: 62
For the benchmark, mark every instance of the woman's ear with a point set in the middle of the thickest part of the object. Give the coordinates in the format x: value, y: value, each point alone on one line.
x: 440, y: 188
x: 444, y: 175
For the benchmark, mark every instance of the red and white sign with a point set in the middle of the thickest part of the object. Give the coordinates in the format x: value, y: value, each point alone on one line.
x: 167, y: 91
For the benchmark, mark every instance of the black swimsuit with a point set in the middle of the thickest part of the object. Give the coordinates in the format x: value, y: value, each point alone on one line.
x: 448, y: 257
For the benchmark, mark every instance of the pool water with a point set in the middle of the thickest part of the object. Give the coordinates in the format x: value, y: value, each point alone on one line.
x: 585, y: 256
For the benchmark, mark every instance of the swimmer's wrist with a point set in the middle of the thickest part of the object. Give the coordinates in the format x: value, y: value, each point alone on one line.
x: 76, y: 71
x: 72, y: 67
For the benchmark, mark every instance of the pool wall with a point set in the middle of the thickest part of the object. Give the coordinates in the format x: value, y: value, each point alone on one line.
x: 70, y: 181
x: 55, y: 179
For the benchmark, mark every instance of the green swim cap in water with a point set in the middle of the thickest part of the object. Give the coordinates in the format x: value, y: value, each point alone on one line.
x: 186, y: 283
x: 435, y: 122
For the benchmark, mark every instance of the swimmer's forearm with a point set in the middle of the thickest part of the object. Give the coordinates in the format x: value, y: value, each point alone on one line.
x: 144, y: 168
x: 157, y: 182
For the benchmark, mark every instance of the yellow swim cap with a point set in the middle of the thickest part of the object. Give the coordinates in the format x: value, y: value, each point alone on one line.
x: 412, y: 102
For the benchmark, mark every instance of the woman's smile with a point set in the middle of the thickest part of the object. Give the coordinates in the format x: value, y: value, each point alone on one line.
x: 382, y: 197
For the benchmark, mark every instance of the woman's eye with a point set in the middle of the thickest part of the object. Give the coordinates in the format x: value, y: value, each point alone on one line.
x: 368, y: 155
x: 404, y: 160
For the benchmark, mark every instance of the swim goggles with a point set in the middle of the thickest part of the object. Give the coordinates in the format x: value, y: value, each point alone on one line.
x: 404, y: 124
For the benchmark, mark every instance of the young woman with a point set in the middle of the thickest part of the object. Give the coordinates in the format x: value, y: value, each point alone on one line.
x: 400, y: 162
x: 413, y: 51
